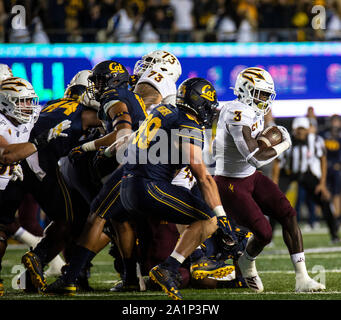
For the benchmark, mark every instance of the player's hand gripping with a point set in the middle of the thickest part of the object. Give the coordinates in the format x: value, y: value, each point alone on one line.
x: 57, y: 131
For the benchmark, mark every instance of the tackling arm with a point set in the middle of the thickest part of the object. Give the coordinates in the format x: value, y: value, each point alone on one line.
x: 15, y: 152
x: 120, y: 116
x: 206, y: 183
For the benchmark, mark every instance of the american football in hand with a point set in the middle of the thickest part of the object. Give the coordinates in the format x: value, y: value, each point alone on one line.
x: 270, y: 137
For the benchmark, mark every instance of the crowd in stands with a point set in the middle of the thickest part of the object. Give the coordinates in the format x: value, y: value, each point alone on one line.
x: 128, y: 21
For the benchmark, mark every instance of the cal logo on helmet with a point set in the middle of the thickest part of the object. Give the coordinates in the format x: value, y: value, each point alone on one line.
x: 208, y: 92
x: 116, y: 68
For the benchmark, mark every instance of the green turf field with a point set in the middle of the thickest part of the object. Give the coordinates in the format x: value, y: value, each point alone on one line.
x: 273, y: 264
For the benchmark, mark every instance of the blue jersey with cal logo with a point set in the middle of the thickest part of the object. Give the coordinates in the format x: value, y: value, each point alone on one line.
x: 155, y: 151
x: 135, y: 105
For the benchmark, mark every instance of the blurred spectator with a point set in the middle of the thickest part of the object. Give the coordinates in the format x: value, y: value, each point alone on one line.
x: 221, y: 26
x: 183, y: 20
x: 204, y: 10
x: 170, y: 20
x: 267, y: 20
x: 161, y: 16
x: 32, y: 31
x: 333, y: 32
x: 248, y: 15
x: 121, y: 26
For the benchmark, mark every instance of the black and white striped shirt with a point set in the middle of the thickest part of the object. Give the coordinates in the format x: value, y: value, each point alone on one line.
x: 304, y: 156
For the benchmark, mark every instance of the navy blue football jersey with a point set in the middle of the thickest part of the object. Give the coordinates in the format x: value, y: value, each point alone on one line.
x: 53, y: 113
x: 135, y: 104
x: 155, y: 151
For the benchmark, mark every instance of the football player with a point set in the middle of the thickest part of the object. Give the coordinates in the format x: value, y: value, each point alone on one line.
x: 28, y: 209
x: 247, y: 195
x: 42, y: 175
x: 18, y: 112
x: 157, y: 73
x: 157, y: 196
x: 122, y: 111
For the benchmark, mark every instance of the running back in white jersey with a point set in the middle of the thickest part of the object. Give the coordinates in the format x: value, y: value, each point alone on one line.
x: 161, y: 82
x: 229, y: 161
x: 12, y: 134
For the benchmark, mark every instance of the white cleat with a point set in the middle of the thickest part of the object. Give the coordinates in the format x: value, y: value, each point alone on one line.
x: 250, y: 274
x: 308, y: 285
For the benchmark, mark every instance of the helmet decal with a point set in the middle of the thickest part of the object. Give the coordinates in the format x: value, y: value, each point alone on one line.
x: 118, y: 68
x: 208, y: 93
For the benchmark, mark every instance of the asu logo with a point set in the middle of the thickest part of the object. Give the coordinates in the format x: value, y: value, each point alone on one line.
x: 231, y: 187
x: 208, y: 93
x: 251, y: 73
x: 8, y: 83
x: 117, y: 69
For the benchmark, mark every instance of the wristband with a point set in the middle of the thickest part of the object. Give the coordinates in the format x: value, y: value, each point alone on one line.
x: 89, y: 146
x: 219, y: 211
x: 281, y: 147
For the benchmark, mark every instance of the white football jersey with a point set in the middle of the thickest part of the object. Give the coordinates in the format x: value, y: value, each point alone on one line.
x: 184, y: 178
x: 229, y: 161
x: 12, y: 134
x: 161, y: 82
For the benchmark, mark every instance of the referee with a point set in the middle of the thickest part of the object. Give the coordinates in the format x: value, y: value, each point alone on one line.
x: 306, y: 163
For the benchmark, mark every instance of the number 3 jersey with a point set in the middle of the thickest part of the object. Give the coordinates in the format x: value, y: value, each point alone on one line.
x: 155, y: 152
x: 229, y: 161
x: 12, y: 134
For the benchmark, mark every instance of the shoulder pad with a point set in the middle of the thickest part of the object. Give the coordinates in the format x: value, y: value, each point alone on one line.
x: 237, y: 113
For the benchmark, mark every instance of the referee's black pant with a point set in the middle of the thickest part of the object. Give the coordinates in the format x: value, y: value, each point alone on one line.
x: 309, y: 182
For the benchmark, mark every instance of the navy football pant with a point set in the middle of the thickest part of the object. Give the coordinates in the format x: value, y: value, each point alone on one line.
x: 162, y: 200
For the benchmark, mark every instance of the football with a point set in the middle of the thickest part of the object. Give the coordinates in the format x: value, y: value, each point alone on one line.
x: 270, y: 137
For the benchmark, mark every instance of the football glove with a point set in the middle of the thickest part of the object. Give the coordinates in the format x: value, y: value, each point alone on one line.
x: 45, y: 137
x: 17, y: 173
x: 226, y: 231
x: 103, y: 164
x: 285, y: 134
x: 76, y: 154
x: 57, y: 131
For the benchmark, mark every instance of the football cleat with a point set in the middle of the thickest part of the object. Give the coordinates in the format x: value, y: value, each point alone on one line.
x: 308, y: 285
x: 205, y: 267
x: 2, y: 288
x: 33, y: 265
x: 24, y: 282
x: 166, y: 280
x: 60, y: 287
x: 123, y: 286
x: 250, y: 274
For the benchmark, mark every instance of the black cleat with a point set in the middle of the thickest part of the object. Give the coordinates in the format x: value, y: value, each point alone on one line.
x: 24, y: 282
x: 33, y: 265
x: 60, y: 287
x: 123, y: 286
x: 166, y: 279
x: 205, y: 267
